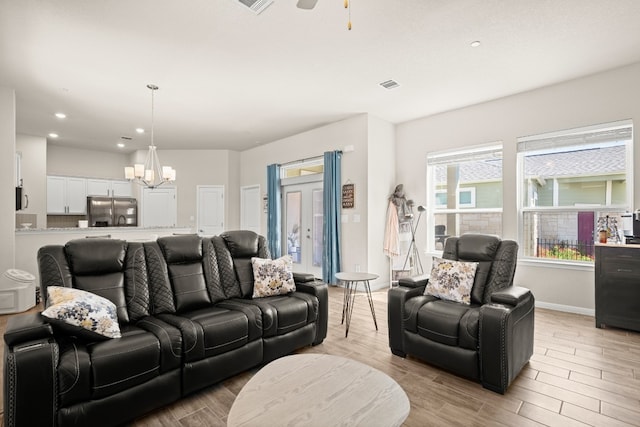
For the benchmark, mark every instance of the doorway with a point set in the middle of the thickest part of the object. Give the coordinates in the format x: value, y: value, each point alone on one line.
x: 210, y: 201
x: 303, y: 226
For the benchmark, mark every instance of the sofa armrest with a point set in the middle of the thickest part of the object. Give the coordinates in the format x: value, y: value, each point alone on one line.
x: 414, y: 282
x: 512, y: 295
x: 30, y: 381
x: 320, y: 290
x: 506, y: 337
x: 396, y: 317
x: 26, y: 327
x: 303, y: 277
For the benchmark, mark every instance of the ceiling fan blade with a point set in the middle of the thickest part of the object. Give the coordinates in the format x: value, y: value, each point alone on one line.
x: 307, y: 4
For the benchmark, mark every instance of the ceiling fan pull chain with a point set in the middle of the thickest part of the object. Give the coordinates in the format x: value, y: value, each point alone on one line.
x: 347, y: 5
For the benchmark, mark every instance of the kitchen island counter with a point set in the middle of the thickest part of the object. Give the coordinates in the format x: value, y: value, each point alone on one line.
x: 29, y: 240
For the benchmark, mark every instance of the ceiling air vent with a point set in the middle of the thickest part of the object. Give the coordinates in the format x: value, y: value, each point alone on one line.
x: 390, y: 84
x: 257, y: 6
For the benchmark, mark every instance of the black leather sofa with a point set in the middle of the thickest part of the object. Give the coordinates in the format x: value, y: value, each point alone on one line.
x: 488, y: 340
x: 187, y: 321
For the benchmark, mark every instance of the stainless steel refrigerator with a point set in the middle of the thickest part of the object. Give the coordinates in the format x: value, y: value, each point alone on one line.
x: 112, y: 211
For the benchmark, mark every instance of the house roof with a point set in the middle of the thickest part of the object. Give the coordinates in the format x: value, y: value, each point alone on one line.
x: 588, y: 162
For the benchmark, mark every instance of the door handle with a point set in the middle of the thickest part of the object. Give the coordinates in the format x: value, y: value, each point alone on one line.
x: 26, y: 201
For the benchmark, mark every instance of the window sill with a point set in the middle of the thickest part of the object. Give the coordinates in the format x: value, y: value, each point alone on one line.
x: 564, y: 265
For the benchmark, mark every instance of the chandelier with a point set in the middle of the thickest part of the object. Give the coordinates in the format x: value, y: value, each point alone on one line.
x: 150, y: 174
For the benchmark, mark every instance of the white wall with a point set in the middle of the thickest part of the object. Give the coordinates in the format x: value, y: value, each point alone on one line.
x: 34, y: 165
x: 85, y: 163
x: 7, y: 177
x: 203, y: 167
x: 599, y: 98
x: 381, y: 172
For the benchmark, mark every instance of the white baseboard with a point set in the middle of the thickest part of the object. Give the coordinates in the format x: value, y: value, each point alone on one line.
x: 566, y: 308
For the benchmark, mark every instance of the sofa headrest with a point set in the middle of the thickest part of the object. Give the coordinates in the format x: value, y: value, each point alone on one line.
x: 241, y: 243
x: 478, y: 247
x: 95, y: 256
x: 183, y: 248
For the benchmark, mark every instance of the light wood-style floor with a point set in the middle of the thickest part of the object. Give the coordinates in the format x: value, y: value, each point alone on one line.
x: 578, y: 375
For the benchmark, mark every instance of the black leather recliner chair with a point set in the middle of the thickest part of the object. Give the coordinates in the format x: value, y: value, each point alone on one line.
x: 489, y: 340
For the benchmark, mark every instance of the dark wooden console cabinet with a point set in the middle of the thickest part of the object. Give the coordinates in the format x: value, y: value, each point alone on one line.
x: 617, y: 274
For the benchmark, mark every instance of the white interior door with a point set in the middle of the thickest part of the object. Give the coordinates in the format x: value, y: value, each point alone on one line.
x: 159, y: 207
x: 210, y: 209
x: 302, y: 226
x: 250, y: 208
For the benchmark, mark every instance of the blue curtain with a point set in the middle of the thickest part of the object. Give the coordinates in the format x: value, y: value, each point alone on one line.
x: 273, y: 210
x: 331, y: 207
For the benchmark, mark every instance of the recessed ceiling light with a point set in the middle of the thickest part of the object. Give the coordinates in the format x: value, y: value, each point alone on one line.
x: 475, y: 43
x: 121, y: 145
x: 139, y: 130
x: 53, y: 135
x: 61, y: 115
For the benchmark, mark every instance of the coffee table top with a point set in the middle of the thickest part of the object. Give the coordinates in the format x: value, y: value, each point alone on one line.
x: 319, y: 390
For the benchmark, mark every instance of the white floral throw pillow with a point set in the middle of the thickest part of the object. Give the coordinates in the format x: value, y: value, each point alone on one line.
x: 451, y: 280
x: 81, y: 313
x: 272, y: 276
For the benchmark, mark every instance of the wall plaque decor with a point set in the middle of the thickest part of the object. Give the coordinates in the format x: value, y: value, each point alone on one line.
x: 348, y: 196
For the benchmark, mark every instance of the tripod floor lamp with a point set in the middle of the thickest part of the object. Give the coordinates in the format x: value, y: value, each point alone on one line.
x: 413, y: 248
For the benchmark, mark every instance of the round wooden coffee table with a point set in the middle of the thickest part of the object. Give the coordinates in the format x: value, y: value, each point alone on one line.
x: 319, y: 390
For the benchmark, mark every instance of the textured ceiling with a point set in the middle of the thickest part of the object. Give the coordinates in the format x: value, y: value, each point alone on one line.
x: 231, y: 79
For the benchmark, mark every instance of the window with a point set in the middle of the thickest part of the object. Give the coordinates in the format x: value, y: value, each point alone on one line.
x: 569, y: 182
x: 464, y: 193
x: 466, y: 198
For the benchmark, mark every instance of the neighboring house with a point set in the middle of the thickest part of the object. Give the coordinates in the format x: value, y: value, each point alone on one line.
x: 591, y: 178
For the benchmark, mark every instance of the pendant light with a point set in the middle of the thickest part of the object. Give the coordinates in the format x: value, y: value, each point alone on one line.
x: 150, y: 174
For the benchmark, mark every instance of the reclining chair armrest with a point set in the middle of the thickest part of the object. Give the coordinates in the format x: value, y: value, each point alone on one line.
x: 512, y: 295
x: 397, y: 298
x: 505, y: 339
x: 319, y: 289
x: 35, y: 363
x: 26, y: 327
x: 414, y: 282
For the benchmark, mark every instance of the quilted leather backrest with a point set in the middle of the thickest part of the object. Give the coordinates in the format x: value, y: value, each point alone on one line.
x: 160, y: 292
x: 53, y: 268
x: 183, y: 255
x: 496, y: 262
x: 243, y: 245
x: 136, y: 282
x: 97, y: 266
x: 212, y: 271
x: 228, y: 279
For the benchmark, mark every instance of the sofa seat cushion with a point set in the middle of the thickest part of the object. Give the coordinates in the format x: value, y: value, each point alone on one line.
x: 282, y: 314
x: 120, y: 364
x: 449, y: 323
x: 222, y: 329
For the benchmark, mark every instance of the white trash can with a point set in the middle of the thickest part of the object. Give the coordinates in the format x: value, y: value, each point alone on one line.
x: 17, y: 291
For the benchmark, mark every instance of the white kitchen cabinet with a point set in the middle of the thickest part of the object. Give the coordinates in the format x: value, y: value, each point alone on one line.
x: 66, y: 195
x: 108, y: 188
x: 159, y: 207
x: 121, y: 189
x: 98, y: 187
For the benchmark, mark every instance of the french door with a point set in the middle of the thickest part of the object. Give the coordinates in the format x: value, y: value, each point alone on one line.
x: 302, y: 220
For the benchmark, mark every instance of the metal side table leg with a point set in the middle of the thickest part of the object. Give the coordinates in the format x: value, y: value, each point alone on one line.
x: 373, y: 311
x: 351, y: 300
